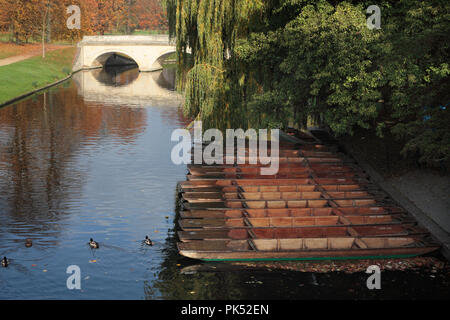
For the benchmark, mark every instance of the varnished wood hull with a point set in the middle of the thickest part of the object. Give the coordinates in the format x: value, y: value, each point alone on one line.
x: 241, y: 250
x: 286, y: 212
x: 307, y: 255
x: 282, y: 222
x: 299, y: 232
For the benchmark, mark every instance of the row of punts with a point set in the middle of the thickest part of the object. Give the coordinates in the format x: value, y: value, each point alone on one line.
x: 319, y: 205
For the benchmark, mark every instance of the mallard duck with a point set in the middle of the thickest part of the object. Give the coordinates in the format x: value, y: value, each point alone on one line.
x: 28, y: 243
x: 93, y: 244
x: 5, y: 262
x: 147, y: 241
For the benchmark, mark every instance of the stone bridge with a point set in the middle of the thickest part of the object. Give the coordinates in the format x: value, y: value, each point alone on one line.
x: 147, y: 51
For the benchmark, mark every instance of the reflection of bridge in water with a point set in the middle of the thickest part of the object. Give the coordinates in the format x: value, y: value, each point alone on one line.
x: 131, y: 87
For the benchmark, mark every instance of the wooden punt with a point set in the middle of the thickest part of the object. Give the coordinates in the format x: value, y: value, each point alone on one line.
x: 306, y: 193
x: 295, y: 164
x: 282, y: 222
x: 266, y: 187
x: 280, y: 175
x: 278, y: 188
x: 288, y: 212
x: 206, y: 171
x: 283, y: 151
x: 294, y: 233
x: 313, y: 202
x: 281, y: 159
x: 209, y: 182
x: 278, y: 204
x: 305, y: 248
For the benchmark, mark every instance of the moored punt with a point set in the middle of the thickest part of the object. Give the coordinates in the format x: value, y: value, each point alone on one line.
x: 277, y: 204
x: 210, y: 182
x: 280, y: 175
x: 207, y: 171
x: 288, y: 212
x: 294, y: 164
x: 305, y: 248
x: 294, y: 233
x: 281, y: 159
x: 287, y: 221
x: 305, y: 193
x: 277, y: 188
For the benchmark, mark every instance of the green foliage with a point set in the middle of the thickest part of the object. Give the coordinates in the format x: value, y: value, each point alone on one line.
x: 272, y: 63
x: 211, y: 78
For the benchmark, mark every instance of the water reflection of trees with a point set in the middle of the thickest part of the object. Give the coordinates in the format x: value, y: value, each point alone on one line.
x: 40, y: 138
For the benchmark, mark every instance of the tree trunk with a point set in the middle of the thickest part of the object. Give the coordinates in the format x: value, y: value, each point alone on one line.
x: 43, y: 39
x: 44, y: 21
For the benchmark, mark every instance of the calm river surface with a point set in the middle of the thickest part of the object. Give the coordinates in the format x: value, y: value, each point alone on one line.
x: 91, y: 158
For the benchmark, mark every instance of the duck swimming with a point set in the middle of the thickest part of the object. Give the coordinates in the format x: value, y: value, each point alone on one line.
x: 93, y: 244
x: 147, y: 241
x: 5, y: 262
x: 28, y: 243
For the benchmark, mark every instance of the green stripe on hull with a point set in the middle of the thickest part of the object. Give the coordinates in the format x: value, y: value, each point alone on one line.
x: 318, y: 258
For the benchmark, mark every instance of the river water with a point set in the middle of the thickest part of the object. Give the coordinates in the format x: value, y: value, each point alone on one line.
x: 91, y: 158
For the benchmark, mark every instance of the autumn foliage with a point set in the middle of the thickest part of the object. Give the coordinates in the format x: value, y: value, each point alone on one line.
x: 28, y: 19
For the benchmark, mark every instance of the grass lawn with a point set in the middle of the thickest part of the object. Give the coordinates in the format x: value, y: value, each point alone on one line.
x: 27, y: 75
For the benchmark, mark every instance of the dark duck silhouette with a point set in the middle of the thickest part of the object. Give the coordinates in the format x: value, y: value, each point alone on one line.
x: 5, y: 262
x: 93, y: 244
x: 28, y: 243
x: 147, y: 241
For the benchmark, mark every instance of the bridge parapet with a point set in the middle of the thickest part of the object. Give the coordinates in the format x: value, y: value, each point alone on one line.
x: 127, y: 40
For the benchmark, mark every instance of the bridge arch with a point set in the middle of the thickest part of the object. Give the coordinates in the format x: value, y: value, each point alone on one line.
x: 161, y: 56
x: 101, y: 57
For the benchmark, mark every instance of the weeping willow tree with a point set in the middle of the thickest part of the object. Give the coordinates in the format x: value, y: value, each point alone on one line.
x: 270, y: 63
x: 211, y: 76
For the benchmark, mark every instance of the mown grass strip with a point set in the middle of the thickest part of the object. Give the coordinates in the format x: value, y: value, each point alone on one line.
x: 21, y: 77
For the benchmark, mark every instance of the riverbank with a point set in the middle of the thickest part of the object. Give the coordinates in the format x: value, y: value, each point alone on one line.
x: 31, y: 74
x: 421, y: 191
